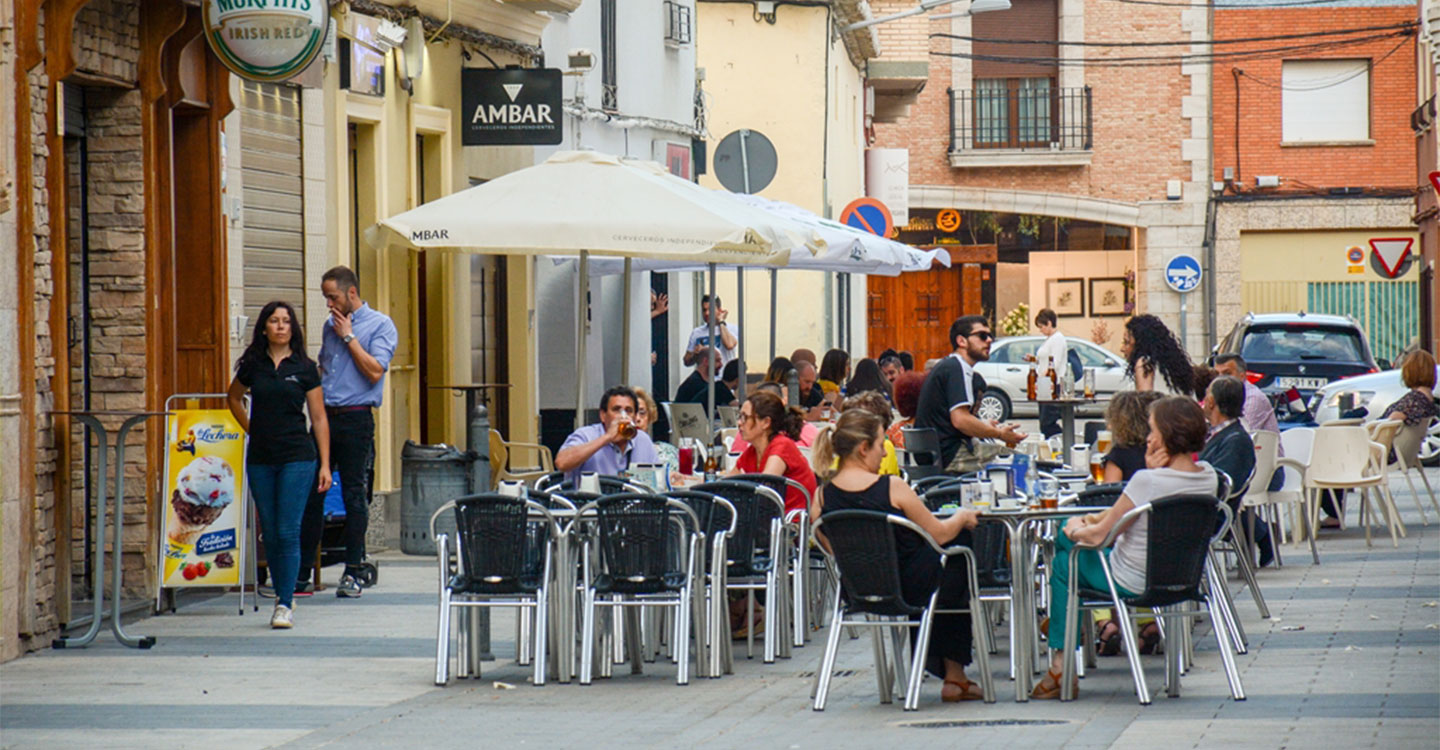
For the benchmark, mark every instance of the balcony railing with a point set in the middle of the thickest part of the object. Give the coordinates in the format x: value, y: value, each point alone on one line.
x: 1019, y: 121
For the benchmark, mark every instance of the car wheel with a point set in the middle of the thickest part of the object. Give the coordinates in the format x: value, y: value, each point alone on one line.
x: 994, y: 405
x: 1430, y: 449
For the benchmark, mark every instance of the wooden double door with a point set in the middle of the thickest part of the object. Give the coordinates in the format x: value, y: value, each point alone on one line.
x: 913, y: 311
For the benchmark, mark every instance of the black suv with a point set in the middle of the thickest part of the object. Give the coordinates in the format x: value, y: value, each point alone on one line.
x: 1303, y: 351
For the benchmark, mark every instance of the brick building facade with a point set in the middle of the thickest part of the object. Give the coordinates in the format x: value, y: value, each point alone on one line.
x: 1317, y: 158
x: 1127, y: 147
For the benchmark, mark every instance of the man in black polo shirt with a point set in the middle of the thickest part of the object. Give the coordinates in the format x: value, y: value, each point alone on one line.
x: 696, y: 388
x: 949, y: 394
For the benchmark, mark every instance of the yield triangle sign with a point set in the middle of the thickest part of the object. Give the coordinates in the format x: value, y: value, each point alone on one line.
x: 1392, y: 253
x: 1435, y: 180
x: 512, y: 89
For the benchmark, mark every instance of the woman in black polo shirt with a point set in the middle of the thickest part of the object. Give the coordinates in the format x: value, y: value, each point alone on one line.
x: 281, y: 459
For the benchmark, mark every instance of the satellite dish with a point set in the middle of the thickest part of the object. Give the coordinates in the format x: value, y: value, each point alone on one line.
x: 745, y: 161
x: 414, y: 47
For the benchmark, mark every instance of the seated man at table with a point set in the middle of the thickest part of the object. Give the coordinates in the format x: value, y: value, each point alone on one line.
x: 811, y: 394
x: 696, y: 388
x: 1229, y: 448
x: 730, y: 377
x: 604, y: 448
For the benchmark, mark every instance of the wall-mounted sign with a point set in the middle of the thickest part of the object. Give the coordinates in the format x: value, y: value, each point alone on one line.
x: 745, y: 161
x: 1182, y: 273
x: 868, y: 215
x: 265, y: 40
x: 1356, y: 257
x: 513, y: 107
x: 948, y: 220
x: 887, y: 178
x: 1435, y: 180
x: 1390, y: 256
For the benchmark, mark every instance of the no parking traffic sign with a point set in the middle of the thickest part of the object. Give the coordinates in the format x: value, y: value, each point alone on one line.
x: 868, y: 215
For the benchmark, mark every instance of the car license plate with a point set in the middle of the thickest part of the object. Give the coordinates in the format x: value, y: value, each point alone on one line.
x: 1306, y: 383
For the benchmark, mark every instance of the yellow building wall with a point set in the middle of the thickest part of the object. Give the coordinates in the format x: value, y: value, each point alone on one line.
x: 1276, y: 267
x: 773, y: 78
x: 386, y: 175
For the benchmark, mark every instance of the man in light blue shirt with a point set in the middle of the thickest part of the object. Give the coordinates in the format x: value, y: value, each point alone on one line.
x: 355, y: 351
x: 603, y: 448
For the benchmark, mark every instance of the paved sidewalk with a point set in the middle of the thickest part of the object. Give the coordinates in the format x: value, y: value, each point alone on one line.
x: 358, y: 674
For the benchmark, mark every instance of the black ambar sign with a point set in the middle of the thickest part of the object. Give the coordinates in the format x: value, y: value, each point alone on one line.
x: 511, y: 107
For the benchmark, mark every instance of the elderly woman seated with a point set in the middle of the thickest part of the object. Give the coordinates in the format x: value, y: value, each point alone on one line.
x: 1177, y: 433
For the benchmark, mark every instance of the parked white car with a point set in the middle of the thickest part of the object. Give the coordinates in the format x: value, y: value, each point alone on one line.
x: 1006, y: 371
x: 1375, y: 393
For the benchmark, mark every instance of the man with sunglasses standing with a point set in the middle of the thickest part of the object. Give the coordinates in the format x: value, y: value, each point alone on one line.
x: 951, y: 390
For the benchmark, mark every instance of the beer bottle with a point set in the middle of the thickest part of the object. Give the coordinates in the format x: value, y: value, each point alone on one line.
x: 1054, y: 381
x: 1030, y: 381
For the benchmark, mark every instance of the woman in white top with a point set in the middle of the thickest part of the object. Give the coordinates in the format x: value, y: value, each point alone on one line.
x: 1177, y: 432
x: 1157, y: 361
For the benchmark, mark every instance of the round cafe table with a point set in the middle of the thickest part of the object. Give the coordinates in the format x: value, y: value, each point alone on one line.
x: 1020, y: 522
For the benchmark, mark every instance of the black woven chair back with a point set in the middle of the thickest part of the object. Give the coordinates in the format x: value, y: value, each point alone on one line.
x: 750, y: 530
x: 637, y: 544
x: 990, y: 542
x: 922, y: 448
x: 1180, y: 527
x: 942, y: 494
x: 775, y: 483
x: 1100, y: 495
x: 714, y: 517
x: 863, y: 545
x: 496, y: 550
x: 924, y: 485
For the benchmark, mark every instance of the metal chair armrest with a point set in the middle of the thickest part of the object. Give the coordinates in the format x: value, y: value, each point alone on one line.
x: 434, y: 516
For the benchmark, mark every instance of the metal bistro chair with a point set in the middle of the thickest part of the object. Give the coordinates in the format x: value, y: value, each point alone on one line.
x: 641, y: 563
x: 797, y: 524
x: 717, y: 523
x: 862, y: 545
x: 1235, y: 541
x: 496, y: 567
x: 552, y: 502
x: 1100, y: 495
x: 1177, y: 568
x: 757, y: 560
x: 934, y: 481
x: 922, y: 453
x: 990, y: 543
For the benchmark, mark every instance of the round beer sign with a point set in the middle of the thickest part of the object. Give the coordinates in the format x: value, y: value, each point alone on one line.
x: 266, y: 40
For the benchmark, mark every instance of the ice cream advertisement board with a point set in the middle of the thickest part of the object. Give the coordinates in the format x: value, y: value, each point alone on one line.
x: 204, y: 528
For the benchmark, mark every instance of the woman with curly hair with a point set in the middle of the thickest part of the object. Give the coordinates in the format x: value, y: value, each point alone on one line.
x: 1156, y: 360
x: 907, y: 398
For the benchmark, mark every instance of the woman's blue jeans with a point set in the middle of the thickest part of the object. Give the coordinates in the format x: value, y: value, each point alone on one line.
x: 280, y: 492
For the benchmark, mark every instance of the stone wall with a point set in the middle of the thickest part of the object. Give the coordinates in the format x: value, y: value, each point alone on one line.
x: 10, y: 422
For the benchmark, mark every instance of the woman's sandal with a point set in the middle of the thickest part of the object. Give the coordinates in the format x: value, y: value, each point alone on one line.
x: 1150, y: 639
x: 967, y: 690
x: 1048, y: 689
x: 1108, y: 640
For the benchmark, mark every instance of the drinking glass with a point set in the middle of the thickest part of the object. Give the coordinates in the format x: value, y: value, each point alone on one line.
x: 1097, y: 466
x: 687, y: 460
x: 1102, y: 442
x: 1049, y: 492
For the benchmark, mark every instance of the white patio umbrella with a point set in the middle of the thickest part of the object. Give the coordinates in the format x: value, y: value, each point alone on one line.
x: 585, y: 203
x: 847, y: 250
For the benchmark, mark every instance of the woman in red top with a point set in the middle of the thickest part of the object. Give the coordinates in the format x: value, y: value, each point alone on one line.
x: 771, y: 431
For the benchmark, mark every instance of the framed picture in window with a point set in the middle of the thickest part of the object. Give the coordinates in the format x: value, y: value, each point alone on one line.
x: 1107, y: 296
x: 1066, y: 297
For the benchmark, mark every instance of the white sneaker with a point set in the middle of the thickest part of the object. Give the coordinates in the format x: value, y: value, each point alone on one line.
x: 283, y: 618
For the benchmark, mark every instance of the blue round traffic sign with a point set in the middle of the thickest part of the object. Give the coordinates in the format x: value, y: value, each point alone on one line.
x: 1182, y: 273
x: 868, y: 215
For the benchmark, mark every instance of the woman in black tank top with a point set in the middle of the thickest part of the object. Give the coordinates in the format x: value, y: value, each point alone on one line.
x: 858, y: 440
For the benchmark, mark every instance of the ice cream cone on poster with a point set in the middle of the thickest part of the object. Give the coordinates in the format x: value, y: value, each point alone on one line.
x: 205, y: 489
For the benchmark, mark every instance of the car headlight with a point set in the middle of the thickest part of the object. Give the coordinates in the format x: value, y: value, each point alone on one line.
x: 1362, y: 398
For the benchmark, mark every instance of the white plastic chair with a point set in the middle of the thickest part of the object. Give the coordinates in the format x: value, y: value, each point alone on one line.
x: 1345, y: 458
x: 1258, y: 496
x: 1297, y: 443
x: 1407, y: 456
